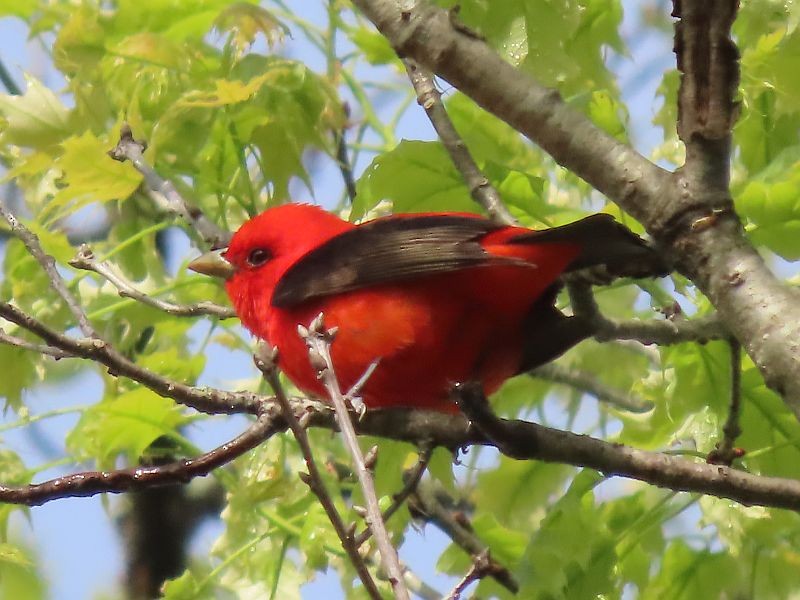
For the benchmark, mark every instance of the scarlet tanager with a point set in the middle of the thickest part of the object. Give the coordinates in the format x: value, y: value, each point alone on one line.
x: 437, y: 298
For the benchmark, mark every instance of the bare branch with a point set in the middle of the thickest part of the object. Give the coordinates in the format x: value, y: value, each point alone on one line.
x: 343, y: 160
x: 412, y: 477
x: 587, y: 382
x: 426, y: 503
x: 318, y: 340
x: 12, y: 340
x: 164, y: 193
x: 137, y: 478
x: 47, y: 262
x: 429, y: 98
x: 524, y: 440
x: 86, y: 260
x: 265, y: 359
x: 481, y: 567
x: 663, y: 333
x: 208, y: 400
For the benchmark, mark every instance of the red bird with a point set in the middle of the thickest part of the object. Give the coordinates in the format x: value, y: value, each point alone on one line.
x: 437, y: 298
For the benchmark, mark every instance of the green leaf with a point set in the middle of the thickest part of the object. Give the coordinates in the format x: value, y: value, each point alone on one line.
x: 14, y: 555
x: 688, y: 574
x: 226, y: 92
x: 15, y: 381
x: 507, y: 544
x: 415, y: 177
x: 516, y: 490
x: 18, y: 575
x: 184, y: 587
x: 127, y: 423
x: 23, y: 9
x: 609, y: 114
x: 770, y: 202
x: 245, y: 21
x: 376, y: 48
x: 441, y: 468
x: 316, y: 532
x: 36, y: 119
x: 89, y: 175
x: 80, y: 44
x: 572, y: 554
x: 561, y: 43
x: 172, y: 362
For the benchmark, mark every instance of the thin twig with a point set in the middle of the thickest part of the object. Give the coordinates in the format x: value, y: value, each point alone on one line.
x: 164, y: 193
x: 48, y: 263
x: 318, y: 340
x: 208, y: 400
x: 587, y: 382
x: 481, y: 567
x: 8, y: 81
x: 660, y: 332
x: 726, y: 452
x: 86, y: 261
x: 430, y: 99
x: 137, y: 478
x: 426, y: 503
x: 345, y: 168
x: 12, y: 340
x: 265, y: 359
x: 414, y: 475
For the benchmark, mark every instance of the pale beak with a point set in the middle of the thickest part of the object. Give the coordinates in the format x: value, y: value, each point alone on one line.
x: 213, y: 264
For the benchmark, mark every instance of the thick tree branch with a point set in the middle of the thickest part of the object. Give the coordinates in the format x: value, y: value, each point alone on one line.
x: 428, y: 35
x: 707, y: 59
x: 86, y: 260
x: 700, y: 234
x: 524, y: 440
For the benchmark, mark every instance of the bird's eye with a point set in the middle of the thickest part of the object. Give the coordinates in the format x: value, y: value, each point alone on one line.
x: 258, y: 257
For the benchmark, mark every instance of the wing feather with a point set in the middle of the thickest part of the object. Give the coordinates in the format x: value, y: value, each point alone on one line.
x: 388, y: 250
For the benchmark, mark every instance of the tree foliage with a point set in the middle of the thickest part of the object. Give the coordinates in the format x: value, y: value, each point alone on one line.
x: 243, y: 106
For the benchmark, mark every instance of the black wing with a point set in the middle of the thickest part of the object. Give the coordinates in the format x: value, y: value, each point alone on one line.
x: 387, y: 250
x: 604, y: 242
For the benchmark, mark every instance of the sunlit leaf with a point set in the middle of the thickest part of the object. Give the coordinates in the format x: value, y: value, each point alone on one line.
x: 36, y: 119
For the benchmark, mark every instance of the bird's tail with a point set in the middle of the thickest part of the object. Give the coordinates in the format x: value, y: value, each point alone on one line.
x: 604, y: 243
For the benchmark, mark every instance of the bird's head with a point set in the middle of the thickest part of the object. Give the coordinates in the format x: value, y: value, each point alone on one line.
x: 263, y: 249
